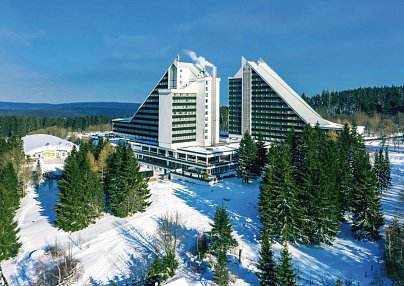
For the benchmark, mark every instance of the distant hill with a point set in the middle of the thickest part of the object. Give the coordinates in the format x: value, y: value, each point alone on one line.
x: 69, y: 109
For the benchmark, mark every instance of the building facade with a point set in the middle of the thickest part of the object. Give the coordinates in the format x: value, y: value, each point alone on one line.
x: 261, y: 102
x: 177, y: 126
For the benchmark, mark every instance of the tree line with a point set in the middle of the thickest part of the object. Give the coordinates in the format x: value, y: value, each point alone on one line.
x: 312, y: 182
x: 370, y: 100
x: 23, y: 125
x: 100, y: 178
x: 379, y: 109
x: 12, y: 181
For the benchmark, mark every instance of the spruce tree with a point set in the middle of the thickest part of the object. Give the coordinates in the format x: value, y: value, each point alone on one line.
x: 262, y: 155
x: 367, y: 211
x: 278, y: 205
x: 285, y: 274
x: 9, y: 180
x: 318, y: 188
x: 81, y: 199
x: 127, y: 189
x: 387, y: 170
x: 222, y: 239
x: 9, y: 244
x: 221, y: 273
x: 378, y: 168
x: 345, y: 177
x: 37, y: 176
x: 247, y: 155
x: 266, y: 263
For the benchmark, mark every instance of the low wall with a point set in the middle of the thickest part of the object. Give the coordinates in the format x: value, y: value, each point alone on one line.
x: 195, y: 180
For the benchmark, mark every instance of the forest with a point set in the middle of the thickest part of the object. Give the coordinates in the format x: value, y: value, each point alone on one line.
x: 379, y: 109
x: 23, y: 125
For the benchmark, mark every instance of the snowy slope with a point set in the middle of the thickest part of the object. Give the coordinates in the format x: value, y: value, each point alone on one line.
x: 115, y: 248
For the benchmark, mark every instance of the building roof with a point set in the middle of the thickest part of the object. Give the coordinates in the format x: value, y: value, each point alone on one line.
x: 291, y: 98
x: 42, y: 142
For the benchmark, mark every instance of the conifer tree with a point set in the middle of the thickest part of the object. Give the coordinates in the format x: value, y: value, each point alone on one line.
x: 9, y: 180
x: 221, y: 273
x: 367, y: 211
x: 37, y: 176
x: 387, y: 170
x: 221, y: 233
x: 247, y: 155
x: 9, y: 244
x: 285, y: 274
x: 278, y: 205
x: 127, y: 189
x: 81, y: 199
x: 378, y: 169
x: 262, y: 155
x: 266, y: 263
x: 345, y: 177
x: 318, y: 188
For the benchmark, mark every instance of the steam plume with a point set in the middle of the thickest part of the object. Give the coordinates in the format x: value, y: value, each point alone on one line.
x: 198, y: 59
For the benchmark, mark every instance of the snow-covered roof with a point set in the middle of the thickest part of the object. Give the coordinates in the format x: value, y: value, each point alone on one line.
x: 126, y: 120
x: 42, y: 142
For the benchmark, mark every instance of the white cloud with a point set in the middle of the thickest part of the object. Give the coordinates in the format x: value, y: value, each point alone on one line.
x: 9, y: 37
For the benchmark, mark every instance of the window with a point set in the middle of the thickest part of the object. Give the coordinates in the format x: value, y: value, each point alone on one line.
x: 206, y: 113
x: 206, y: 100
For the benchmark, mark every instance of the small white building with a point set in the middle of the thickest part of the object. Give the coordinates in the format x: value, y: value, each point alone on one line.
x: 43, y: 146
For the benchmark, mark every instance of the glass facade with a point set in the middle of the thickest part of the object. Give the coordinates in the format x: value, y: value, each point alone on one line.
x: 235, y: 85
x: 145, y: 123
x: 270, y: 115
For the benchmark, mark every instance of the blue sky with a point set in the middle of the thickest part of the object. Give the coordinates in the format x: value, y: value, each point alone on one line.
x: 68, y: 51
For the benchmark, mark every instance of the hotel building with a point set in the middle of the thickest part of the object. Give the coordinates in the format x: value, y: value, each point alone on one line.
x: 177, y: 126
x: 260, y: 101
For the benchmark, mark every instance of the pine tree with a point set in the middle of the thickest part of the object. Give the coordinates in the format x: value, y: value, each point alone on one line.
x: 285, y: 274
x: 262, y: 155
x: 127, y: 189
x: 266, y: 263
x: 222, y: 239
x: 247, y: 155
x: 221, y: 273
x: 367, y: 211
x: 9, y: 244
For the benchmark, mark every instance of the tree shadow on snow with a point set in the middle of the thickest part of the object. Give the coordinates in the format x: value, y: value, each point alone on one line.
x: 242, y: 207
x: 47, y: 196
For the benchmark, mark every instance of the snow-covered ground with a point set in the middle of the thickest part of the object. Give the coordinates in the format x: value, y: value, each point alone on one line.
x: 115, y: 248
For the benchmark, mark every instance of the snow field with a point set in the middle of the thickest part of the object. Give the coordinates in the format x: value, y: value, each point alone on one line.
x: 114, y: 247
